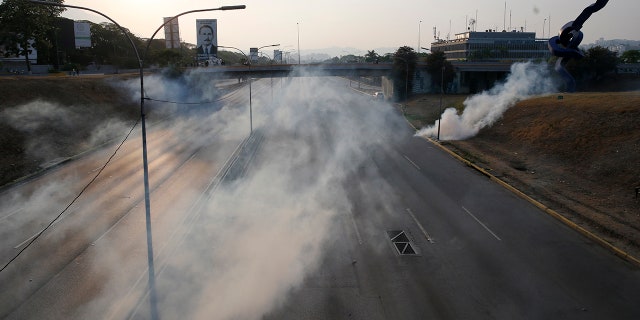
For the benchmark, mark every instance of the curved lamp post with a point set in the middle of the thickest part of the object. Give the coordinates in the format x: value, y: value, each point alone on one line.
x: 153, y: 296
x: 271, y: 64
x: 250, y: 80
x: 267, y: 46
x: 249, y: 65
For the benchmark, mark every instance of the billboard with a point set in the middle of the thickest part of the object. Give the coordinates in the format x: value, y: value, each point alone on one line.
x: 171, y: 33
x: 82, y: 34
x: 253, y: 54
x: 207, y: 39
x: 32, y: 53
x: 277, y: 56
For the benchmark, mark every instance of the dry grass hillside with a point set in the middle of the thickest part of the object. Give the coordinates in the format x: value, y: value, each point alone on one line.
x: 579, y: 155
x: 75, y: 107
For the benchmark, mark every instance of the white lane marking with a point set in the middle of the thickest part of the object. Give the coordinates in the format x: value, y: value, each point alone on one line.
x: 353, y: 221
x: 482, y: 224
x: 11, y: 213
x: 66, y: 214
x: 426, y: 234
x: 24, y: 242
x: 412, y: 163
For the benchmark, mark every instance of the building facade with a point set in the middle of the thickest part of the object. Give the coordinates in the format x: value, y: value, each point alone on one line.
x: 481, y: 59
x: 493, y: 46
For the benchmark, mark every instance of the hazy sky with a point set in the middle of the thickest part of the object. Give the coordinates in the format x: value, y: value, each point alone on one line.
x: 363, y: 24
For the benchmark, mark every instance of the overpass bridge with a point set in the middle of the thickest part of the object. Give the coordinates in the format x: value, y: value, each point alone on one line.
x: 296, y: 70
x: 334, y: 69
x: 470, y: 76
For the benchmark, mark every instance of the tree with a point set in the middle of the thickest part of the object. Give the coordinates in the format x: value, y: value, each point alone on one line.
x: 230, y: 57
x: 22, y: 24
x: 597, y: 62
x: 630, y: 56
x: 435, y: 62
x: 404, y: 65
x: 110, y: 46
x: 350, y: 58
x: 372, y: 56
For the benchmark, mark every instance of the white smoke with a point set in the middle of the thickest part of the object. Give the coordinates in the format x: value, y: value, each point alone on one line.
x: 37, y: 118
x: 263, y: 234
x: 483, y: 110
x: 260, y: 234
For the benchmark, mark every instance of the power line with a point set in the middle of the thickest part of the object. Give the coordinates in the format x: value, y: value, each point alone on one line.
x: 74, y: 199
x: 188, y: 103
x: 223, y: 98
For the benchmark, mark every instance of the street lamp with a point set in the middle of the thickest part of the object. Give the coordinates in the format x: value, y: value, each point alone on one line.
x: 267, y: 46
x: 419, y: 23
x: 271, y: 64
x: 152, y: 297
x: 250, y: 80
x: 406, y: 82
x: 249, y: 65
x: 441, y: 93
x: 298, y: 24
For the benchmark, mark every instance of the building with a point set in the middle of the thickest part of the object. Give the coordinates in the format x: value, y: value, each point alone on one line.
x: 493, y: 46
x: 481, y: 59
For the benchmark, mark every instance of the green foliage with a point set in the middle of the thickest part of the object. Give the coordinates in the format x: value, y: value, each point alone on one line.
x: 630, y: 56
x: 597, y: 62
x: 404, y: 66
x: 111, y: 46
x: 231, y: 57
x: 169, y: 57
x: 436, y: 61
x: 22, y: 21
x: 372, y: 57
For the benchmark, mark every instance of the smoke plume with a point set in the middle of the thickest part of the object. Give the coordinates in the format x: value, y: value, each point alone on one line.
x: 483, y: 110
x: 265, y: 227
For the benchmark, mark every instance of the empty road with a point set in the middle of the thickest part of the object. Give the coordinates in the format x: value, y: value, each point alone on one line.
x: 330, y: 210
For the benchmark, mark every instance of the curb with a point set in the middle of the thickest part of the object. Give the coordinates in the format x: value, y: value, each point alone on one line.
x: 588, y: 234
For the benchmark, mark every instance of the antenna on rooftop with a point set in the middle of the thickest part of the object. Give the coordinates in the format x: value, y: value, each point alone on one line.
x: 504, y: 17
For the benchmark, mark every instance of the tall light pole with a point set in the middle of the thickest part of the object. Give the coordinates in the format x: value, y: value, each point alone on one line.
x: 419, y: 23
x: 271, y: 64
x: 441, y: 93
x: 298, y: 24
x: 249, y: 65
x: 250, y: 80
x: 152, y: 291
x: 406, y: 81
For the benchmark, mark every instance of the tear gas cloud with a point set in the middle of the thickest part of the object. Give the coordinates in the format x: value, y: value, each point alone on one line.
x: 34, y: 119
x: 54, y: 132
x: 260, y: 234
x: 484, y: 109
x: 270, y: 227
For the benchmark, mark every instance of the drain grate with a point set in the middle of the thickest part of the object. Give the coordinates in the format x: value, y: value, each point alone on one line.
x: 401, y: 242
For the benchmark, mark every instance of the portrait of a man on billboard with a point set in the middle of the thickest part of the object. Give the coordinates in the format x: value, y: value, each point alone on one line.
x: 207, y: 39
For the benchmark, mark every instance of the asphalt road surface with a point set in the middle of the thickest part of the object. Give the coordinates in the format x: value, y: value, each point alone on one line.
x: 331, y: 209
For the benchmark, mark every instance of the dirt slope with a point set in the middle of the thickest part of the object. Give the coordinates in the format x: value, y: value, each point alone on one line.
x: 75, y: 107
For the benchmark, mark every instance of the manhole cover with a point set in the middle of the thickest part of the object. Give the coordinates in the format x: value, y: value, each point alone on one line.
x: 401, y: 242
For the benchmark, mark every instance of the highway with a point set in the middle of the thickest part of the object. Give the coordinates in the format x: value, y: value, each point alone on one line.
x: 330, y: 210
